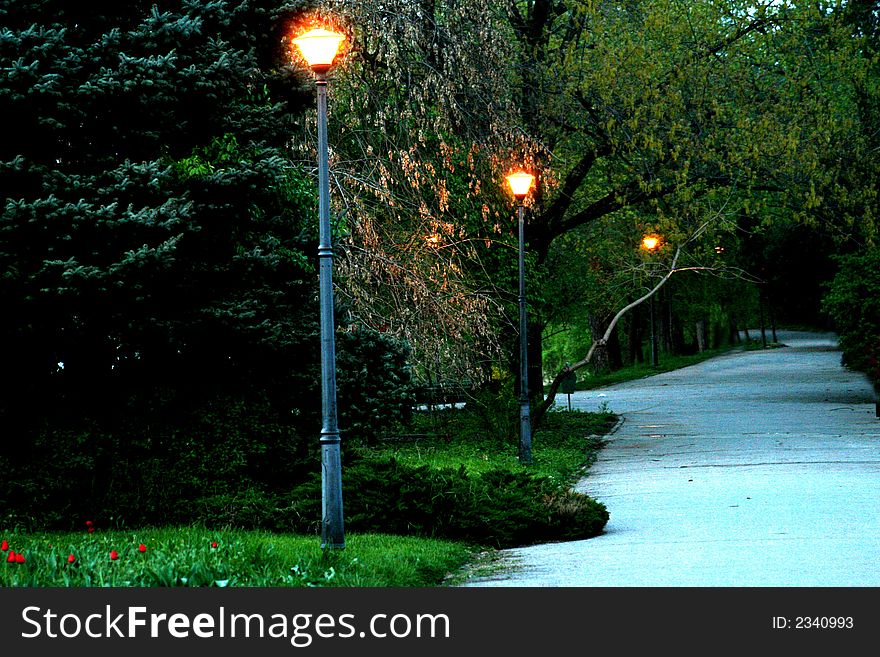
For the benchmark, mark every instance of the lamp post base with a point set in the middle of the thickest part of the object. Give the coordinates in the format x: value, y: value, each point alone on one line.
x: 332, y: 528
x: 525, y: 433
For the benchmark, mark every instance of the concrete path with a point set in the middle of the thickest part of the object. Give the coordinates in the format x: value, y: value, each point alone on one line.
x: 757, y: 468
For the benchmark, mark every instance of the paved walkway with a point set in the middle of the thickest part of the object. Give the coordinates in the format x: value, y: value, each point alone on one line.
x: 757, y: 468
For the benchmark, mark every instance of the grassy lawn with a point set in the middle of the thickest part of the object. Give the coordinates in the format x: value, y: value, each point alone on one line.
x: 563, y: 446
x: 186, y: 557
x: 195, y: 556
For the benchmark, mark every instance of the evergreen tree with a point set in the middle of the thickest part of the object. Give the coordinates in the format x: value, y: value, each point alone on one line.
x: 159, y: 323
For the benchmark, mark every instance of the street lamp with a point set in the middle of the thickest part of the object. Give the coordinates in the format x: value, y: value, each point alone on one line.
x: 319, y: 48
x: 520, y: 184
x: 651, y: 243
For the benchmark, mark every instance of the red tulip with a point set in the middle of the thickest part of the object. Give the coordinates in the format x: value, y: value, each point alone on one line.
x: 71, y: 559
x: 11, y: 557
x: 214, y: 545
x: 19, y: 558
x: 142, y: 548
x: 91, y: 529
x: 4, y: 545
x: 89, y: 523
x: 114, y: 555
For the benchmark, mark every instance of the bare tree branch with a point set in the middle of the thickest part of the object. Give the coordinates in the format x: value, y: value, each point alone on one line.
x: 541, y: 411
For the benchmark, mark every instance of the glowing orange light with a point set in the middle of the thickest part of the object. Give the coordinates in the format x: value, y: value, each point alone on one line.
x: 520, y: 183
x: 319, y: 48
x: 651, y: 242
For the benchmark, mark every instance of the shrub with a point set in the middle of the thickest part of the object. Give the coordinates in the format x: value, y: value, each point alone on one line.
x: 853, y: 302
x: 495, y: 409
x: 374, y: 383
x: 498, y: 508
x: 576, y: 515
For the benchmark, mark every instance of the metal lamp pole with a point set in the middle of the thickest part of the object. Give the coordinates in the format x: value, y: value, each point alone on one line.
x: 319, y: 47
x: 651, y: 243
x: 520, y: 183
x: 332, y: 530
x: 525, y: 421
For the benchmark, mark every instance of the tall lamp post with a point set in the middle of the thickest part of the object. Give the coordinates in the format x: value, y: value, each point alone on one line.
x: 520, y: 184
x: 319, y: 48
x: 651, y: 243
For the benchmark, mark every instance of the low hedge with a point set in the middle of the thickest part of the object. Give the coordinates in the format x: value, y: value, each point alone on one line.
x: 497, y: 508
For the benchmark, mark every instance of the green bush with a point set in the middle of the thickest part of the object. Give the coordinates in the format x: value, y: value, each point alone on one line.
x: 153, y: 472
x: 498, y: 508
x: 853, y: 302
x: 495, y: 410
x: 374, y: 384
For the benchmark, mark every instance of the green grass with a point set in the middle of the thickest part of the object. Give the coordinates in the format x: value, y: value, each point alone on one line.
x: 185, y: 557
x: 564, y: 445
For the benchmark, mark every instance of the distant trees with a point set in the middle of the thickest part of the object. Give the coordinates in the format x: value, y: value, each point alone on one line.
x: 647, y: 115
x: 656, y: 114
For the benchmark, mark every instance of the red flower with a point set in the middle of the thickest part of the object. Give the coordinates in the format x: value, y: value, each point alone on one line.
x: 214, y: 545
x: 89, y: 523
x: 71, y: 559
x: 114, y: 555
x: 19, y: 558
x: 142, y: 548
x: 4, y: 545
x: 11, y: 557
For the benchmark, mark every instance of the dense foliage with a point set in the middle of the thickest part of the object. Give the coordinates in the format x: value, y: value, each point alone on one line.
x: 853, y: 301
x: 715, y: 120
x: 159, y: 324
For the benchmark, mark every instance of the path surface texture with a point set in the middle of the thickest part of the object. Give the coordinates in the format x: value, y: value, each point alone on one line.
x: 757, y: 468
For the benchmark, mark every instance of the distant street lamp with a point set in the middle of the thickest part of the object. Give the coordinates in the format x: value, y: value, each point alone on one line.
x: 520, y: 184
x: 319, y: 48
x: 651, y: 243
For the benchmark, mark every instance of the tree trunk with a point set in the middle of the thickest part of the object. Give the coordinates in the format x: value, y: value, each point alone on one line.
x: 773, y: 322
x: 615, y: 356
x: 732, y: 332
x: 763, y: 327
x: 666, y: 336
x: 635, y: 336
x: 701, y: 335
x: 601, y: 359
